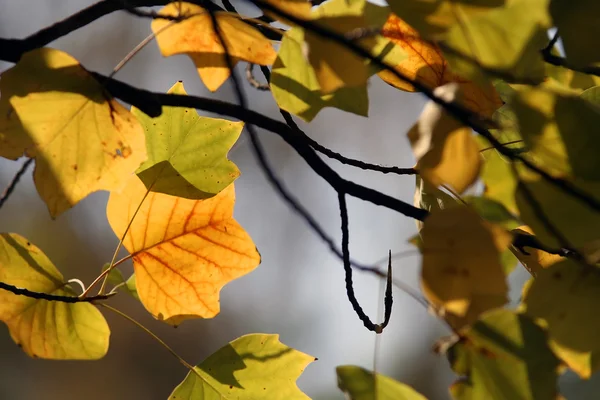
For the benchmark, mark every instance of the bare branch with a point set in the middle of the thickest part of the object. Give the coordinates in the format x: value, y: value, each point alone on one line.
x: 15, y: 180
x: 52, y: 297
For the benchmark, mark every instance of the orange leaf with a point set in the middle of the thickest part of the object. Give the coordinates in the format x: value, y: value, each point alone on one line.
x: 184, y: 251
x: 196, y: 37
x: 426, y: 64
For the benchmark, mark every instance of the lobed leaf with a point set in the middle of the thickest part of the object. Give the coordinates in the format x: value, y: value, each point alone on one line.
x: 42, y: 328
x: 184, y: 251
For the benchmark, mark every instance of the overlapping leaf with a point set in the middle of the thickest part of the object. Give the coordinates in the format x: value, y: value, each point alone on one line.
x: 296, y: 89
x: 426, y: 64
x: 499, y: 181
x: 184, y: 251
x: 359, y: 384
x: 256, y: 366
x: 46, y: 329
x: 195, y: 37
x: 430, y: 198
x: 446, y: 151
x: 534, y: 260
x: 462, y: 273
x: 187, y: 153
x: 504, y: 355
x: 82, y: 139
x: 563, y: 297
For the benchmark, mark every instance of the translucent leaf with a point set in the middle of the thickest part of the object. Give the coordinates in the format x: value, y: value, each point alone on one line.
x: 115, y: 278
x: 82, y: 139
x: 360, y: 384
x: 504, y: 355
x: 256, y: 366
x: 195, y: 37
x: 564, y: 296
x: 46, y: 329
x: 461, y: 261
x: 295, y: 87
x: 592, y: 95
x: 560, y: 131
x: 535, y: 260
x: 499, y: 181
x: 187, y: 153
x: 184, y: 251
x: 506, y: 39
x: 446, y: 151
x: 336, y: 66
x: 492, y: 211
x: 426, y: 64
x: 430, y: 198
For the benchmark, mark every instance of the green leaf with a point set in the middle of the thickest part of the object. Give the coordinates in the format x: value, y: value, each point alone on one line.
x: 492, y: 211
x: 559, y: 128
x: 592, y: 95
x: 46, y: 329
x: 504, y: 355
x: 187, y: 153
x: 565, y: 297
x: 577, y: 22
x: 506, y: 39
x: 115, y: 278
x: 360, y: 384
x: 295, y: 87
x: 256, y: 366
x: 497, y: 176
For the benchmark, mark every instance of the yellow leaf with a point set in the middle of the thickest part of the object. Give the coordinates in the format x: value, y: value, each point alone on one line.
x: 461, y: 268
x: 537, y: 259
x: 446, y: 151
x: 297, y: 8
x: 184, y: 251
x: 426, y: 64
x: 564, y: 298
x: 196, y: 37
x: 82, y: 139
x: 46, y: 329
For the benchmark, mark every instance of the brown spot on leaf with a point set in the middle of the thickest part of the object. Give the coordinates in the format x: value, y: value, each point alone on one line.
x: 74, y: 166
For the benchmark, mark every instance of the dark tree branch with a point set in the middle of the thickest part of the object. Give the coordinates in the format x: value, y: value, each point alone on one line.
x: 52, y: 297
x: 15, y: 180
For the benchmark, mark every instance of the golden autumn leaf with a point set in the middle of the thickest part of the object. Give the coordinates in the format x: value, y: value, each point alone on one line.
x: 184, y: 251
x: 461, y: 269
x: 446, y: 150
x: 426, y: 64
x: 82, y: 139
x: 46, y: 329
x: 195, y: 37
x: 537, y: 259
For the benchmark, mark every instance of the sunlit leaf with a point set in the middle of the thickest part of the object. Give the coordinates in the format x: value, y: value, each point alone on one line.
x: 505, y: 39
x: 534, y: 260
x: 360, y: 384
x: 297, y: 8
x: 574, y: 80
x: 336, y: 66
x: 82, y: 139
x: 563, y: 296
x: 461, y: 261
x: 295, y: 87
x: 504, y: 355
x: 560, y: 131
x: 492, y: 211
x: 430, y: 198
x: 446, y: 151
x: 579, y: 30
x: 592, y: 95
x: 46, y: 329
x: 426, y: 64
x: 187, y: 153
x: 256, y: 366
x: 184, y: 251
x: 195, y: 37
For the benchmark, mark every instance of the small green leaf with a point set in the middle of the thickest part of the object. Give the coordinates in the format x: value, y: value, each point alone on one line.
x: 46, y: 329
x: 504, y: 355
x: 187, y: 153
x: 256, y: 366
x: 360, y: 384
x: 492, y: 211
x: 499, y: 180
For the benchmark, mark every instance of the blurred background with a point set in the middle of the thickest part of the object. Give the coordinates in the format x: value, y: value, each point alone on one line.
x: 298, y: 291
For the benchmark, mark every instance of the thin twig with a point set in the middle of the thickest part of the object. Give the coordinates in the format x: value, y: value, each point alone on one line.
x: 253, y: 81
x: 51, y: 297
x: 14, y: 182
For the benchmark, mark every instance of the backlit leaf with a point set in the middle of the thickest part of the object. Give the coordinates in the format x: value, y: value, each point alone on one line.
x: 564, y: 296
x: 46, y: 329
x: 295, y: 87
x: 446, y: 151
x: 334, y: 65
x: 82, y: 139
x: 535, y: 260
x: 592, y: 95
x: 426, y: 64
x: 297, y: 8
x: 430, y: 198
x: 461, y: 261
x: 184, y: 251
x: 492, y: 211
x: 187, y: 153
x: 256, y: 366
x: 504, y: 355
x: 360, y: 384
x: 196, y: 37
